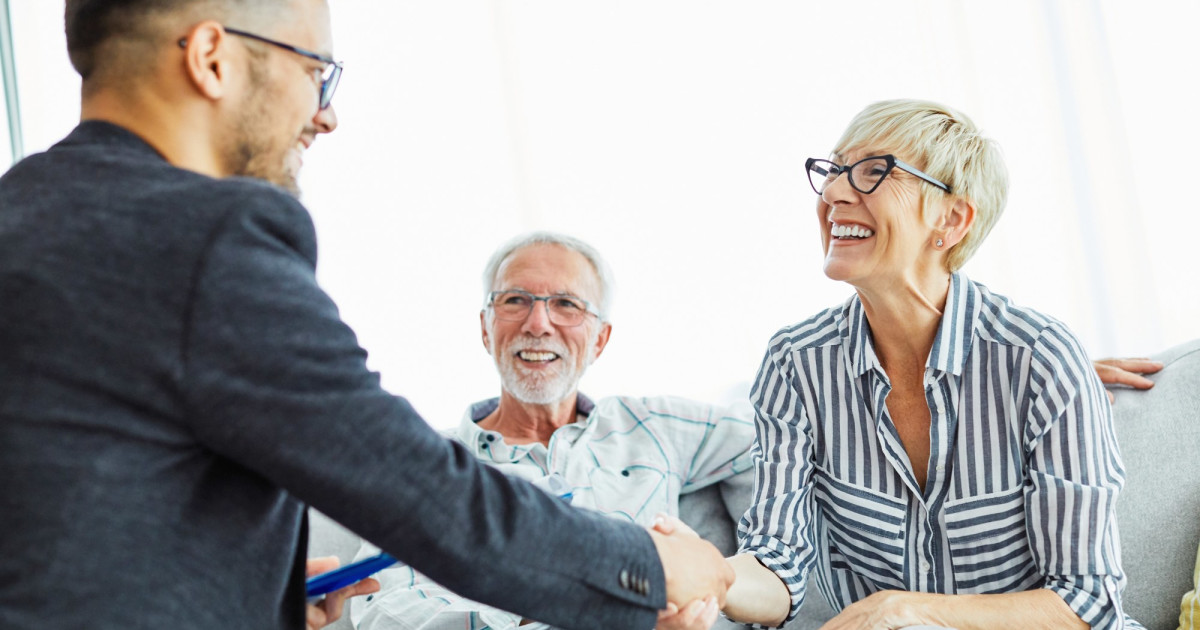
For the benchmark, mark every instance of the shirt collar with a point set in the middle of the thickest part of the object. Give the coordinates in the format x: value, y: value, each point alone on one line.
x: 490, y: 445
x: 950, y: 345
x: 953, y: 340
x: 481, y: 409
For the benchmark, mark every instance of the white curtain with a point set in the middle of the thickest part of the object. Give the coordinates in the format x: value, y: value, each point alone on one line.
x: 671, y: 134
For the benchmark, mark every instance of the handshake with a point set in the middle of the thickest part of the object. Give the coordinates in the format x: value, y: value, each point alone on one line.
x: 697, y: 576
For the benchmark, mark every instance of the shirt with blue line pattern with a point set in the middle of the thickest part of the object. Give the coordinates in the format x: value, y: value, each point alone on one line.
x: 630, y: 458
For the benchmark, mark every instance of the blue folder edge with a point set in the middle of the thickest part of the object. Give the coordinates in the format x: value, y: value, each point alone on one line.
x: 330, y: 581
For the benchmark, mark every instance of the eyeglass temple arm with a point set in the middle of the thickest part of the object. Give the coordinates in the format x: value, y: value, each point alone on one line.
x: 916, y: 171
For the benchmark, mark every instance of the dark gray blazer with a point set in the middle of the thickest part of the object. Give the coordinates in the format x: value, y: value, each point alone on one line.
x: 174, y: 386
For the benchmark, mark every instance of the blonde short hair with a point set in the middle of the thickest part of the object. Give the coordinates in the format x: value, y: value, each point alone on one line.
x: 947, y: 146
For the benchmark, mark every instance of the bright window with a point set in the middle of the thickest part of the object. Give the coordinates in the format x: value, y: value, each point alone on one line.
x: 672, y: 135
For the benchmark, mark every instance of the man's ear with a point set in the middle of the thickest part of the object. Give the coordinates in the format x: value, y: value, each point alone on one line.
x: 206, y: 59
x: 956, y: 221
x: 483, y: 331
x: 601, y: 340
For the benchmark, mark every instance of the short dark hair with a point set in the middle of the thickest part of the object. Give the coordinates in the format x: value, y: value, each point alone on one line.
x: 111, y: 31
x: 92, y: 23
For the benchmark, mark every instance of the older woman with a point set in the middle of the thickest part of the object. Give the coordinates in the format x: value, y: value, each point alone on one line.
x: 928, y: 453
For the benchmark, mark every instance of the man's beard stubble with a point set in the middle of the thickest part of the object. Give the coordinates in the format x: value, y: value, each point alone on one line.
x: 249, y: 151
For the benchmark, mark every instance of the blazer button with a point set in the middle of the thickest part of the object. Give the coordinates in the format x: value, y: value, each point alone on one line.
x: 624, y: 579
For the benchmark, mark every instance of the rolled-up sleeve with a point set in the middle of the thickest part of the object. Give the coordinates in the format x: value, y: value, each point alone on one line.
x: 776, y: 527
x: 1075, y: 474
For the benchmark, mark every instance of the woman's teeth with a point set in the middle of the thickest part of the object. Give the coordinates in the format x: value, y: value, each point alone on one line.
x: 850, y: 231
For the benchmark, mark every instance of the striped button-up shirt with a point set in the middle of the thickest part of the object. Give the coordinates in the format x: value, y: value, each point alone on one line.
x: 630, y: 458
x: 1022, y: 477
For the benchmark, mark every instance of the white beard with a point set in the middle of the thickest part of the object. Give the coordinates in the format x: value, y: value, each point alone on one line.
x: 543, y: 387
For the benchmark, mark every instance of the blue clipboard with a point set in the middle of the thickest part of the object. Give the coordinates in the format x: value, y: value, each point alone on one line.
x: 330, y: 581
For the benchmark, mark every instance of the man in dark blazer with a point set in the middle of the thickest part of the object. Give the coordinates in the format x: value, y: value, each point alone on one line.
x: 175, y: 387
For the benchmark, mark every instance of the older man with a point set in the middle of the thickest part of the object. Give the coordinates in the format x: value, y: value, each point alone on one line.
x: 174, y: 385
x: 545, y: 320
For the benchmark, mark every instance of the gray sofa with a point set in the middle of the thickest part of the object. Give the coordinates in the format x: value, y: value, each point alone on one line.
x: 1158, y: 512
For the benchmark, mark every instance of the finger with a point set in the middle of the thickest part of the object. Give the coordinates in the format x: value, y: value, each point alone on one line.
x: 366, y: 586
x: 694, y: 609
x: 1110, y: 375
x: 316, y: 566
x: 1137, y: 365
x: 335, y: 602
x: 674, y: 524
x: 709, y: 616
x: 315, y: 617
x: 332, y: 604
x: 1111, y: 398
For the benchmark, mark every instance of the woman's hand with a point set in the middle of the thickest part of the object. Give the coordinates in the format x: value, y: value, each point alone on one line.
x: 883, y: 610
x: 329, y: 609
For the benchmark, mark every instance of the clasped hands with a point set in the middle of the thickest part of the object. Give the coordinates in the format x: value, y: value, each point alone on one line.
x: 696, y: 573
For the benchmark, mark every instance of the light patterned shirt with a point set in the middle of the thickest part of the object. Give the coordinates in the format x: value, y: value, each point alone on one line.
x: 629, y: 458
x: 1022, y: 477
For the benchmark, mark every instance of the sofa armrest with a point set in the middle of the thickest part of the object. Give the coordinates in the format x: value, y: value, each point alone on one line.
x: 1158, y: 512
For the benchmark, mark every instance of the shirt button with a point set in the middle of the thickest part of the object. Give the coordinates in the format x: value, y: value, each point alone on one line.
x: 491, y: 438
x: 925, y: 566
x: 941, y: 467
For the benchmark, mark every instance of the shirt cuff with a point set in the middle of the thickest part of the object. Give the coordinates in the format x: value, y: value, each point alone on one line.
x: 1096, y: 599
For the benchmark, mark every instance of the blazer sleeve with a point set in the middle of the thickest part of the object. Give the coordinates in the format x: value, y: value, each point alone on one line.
x: 275, y: 381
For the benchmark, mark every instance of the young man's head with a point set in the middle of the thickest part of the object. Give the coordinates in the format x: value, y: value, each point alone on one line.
x: 256, y: 74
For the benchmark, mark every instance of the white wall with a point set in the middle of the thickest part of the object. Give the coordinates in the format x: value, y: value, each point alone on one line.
x: 672, y: 134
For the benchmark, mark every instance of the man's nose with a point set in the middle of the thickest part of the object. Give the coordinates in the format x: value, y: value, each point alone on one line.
x: 538, y: 321
x: 326, y: 120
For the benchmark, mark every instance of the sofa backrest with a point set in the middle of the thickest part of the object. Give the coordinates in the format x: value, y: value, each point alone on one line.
x: 1158, y: 511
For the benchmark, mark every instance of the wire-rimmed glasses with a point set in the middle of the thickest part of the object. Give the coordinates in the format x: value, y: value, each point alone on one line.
x: 865, y: 175
x: 563, y: 310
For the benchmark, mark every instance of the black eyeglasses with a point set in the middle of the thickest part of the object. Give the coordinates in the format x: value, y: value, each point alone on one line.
x: 563, y: 310
x: 329, y: 76
x: 865, y: 175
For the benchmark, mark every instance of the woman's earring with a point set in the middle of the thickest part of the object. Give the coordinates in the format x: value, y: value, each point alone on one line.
x: 938, y: 243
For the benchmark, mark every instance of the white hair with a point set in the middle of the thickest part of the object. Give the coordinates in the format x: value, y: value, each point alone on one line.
x: 603, y: 273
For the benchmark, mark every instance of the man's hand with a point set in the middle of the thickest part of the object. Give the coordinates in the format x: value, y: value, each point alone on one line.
x: 1126, y: 372
x: 701, y: 614
x: 329, y: 609
x: 693, y: 567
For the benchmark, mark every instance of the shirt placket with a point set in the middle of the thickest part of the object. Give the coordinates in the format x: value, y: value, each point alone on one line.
x: 560, y: 448
x: 936, y: 575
